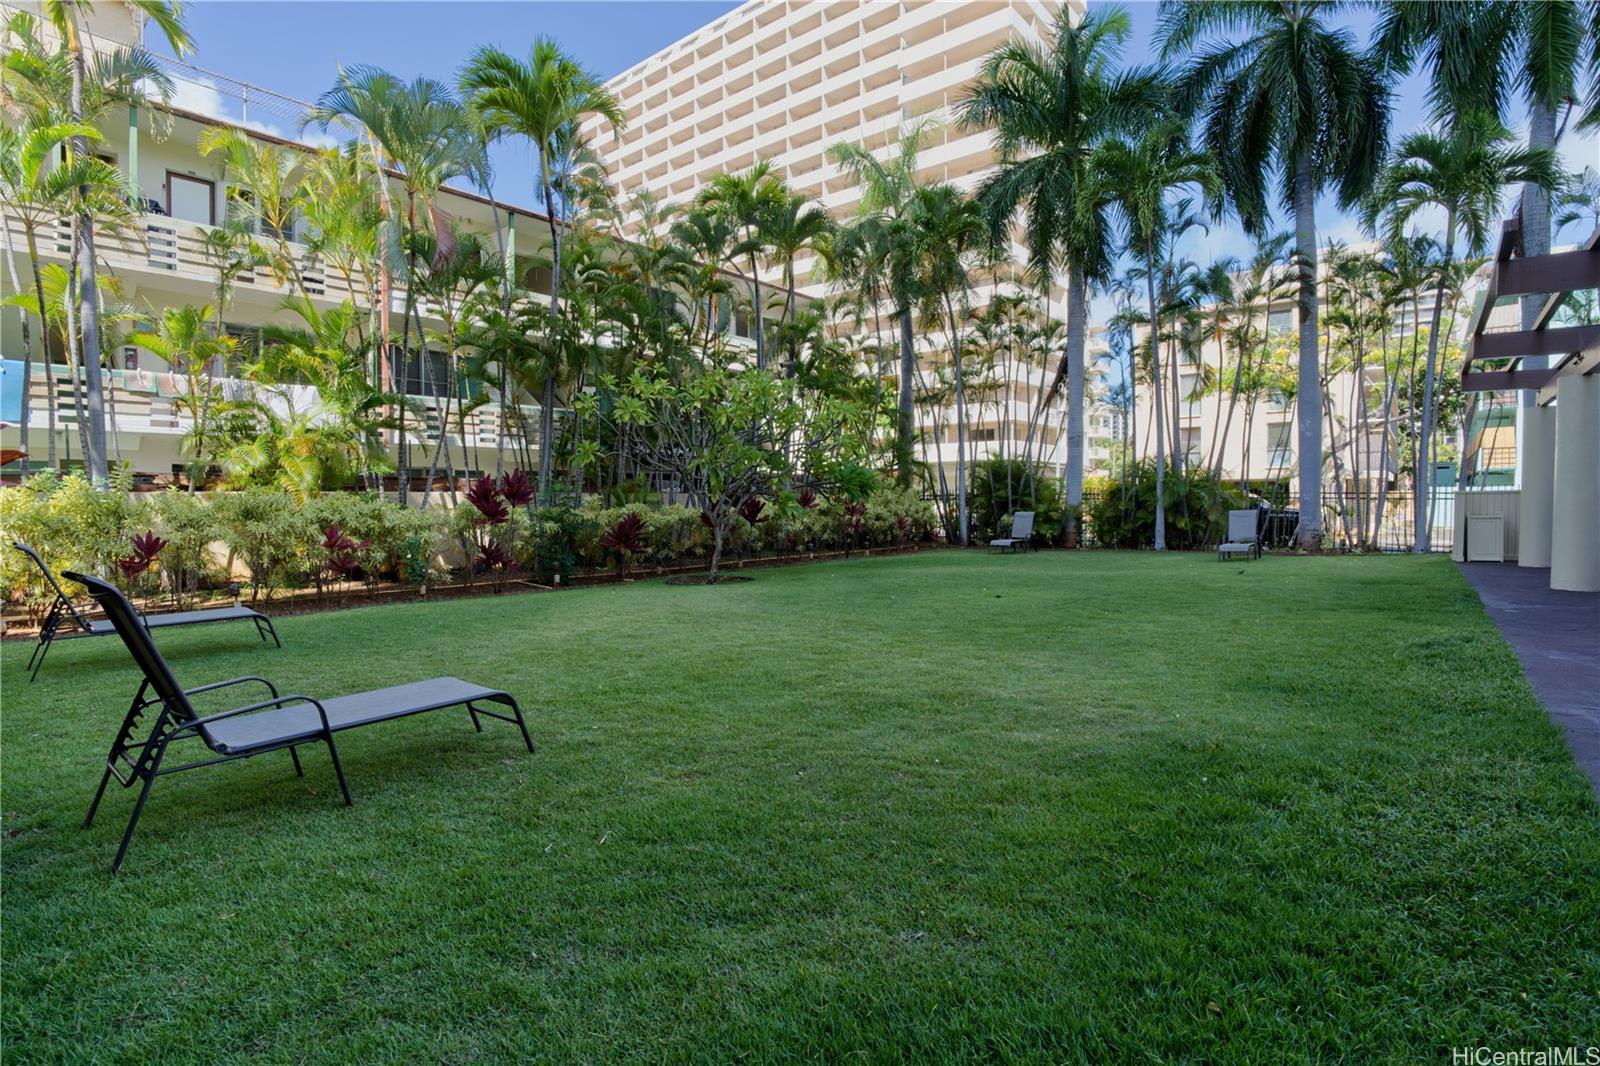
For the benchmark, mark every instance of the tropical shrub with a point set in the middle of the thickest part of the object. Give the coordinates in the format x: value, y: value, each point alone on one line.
x: 1197, y: 507
x: 189, y: 527
x: 268, y: 532
x: 72, y: 526
x: 391, y: 541
x: 1002, y: 487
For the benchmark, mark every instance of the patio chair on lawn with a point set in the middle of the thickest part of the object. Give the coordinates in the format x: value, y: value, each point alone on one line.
x: 1244, y: 536
x: 256, y: 728
x: 64, y: 620
x: 1021, y: 534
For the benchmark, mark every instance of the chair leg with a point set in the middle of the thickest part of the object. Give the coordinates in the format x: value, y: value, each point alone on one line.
x: 295, y: 755
x: 43, y: 649
x: 521, y: 723
x: 337, y: 768
x: 138, y: 809
x: 477, y: 723
x: 99, y: 793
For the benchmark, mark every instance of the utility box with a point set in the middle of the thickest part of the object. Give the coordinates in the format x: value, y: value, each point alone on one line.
x: 1486, y: 538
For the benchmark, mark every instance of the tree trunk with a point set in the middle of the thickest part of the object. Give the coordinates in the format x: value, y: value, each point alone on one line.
x: 1536, y: 228
x: 1309, y: 535
x: 1423, y: 534
x: 757, y: 324
x: 1158, y: 387
x: 95, y: 453
x: 961, y: 425
x: 1077, y: 338
x: 547, y: 414
x: 906, y: 431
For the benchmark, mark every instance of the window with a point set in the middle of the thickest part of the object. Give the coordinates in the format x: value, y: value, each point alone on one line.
x: 538, y: 279
x: 191, y: 199
x: 1281, y: 321
x: 1191, y: 447
x: 743, y: 324
x: 1280, y: 445
x: 424, y: 376
x: 983, y: 433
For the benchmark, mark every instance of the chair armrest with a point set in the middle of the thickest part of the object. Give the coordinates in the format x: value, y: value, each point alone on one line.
x: 234, y: 681
x: 276, y: 701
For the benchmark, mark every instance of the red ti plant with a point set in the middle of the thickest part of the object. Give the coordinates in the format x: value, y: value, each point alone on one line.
x: 625, y: 540
x: 853, y: 518
x: 493, y: 502
x: 340, y: 556
x: 806, y: 499
x: 516, y: 488
x: 146, y: 547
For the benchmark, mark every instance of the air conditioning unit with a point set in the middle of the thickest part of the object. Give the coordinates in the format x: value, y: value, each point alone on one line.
x: 1486, y: 538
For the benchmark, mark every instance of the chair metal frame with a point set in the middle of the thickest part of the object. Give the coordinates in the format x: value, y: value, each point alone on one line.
x: 64, y: 614
x: 135, y: 760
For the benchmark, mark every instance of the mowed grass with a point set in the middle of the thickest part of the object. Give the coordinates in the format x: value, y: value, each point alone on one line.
x: 1049, y: 807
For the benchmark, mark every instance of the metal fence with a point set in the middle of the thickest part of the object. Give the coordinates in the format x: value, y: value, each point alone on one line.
x: 1365, y: 521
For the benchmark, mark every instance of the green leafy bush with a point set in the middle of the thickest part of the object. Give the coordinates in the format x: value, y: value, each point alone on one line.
x: 189, y: 526
x: 1002, y: 487
x: 268, y: 532
x: 1197, y: 506
x: 71, y: 525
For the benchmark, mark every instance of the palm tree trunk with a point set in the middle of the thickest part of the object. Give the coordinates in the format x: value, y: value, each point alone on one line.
x: 27, y: 348
x: 757, y: 324
x: 1309, y: 535
x: 1536, y: 227
x: 907, y: 428
x: 80, y: 400
x: 961, y: 424
x: 1157, y: 388
x: 1423, y: 536
x: 94, y: 413
x: 547, y: 414
x: 1077, y: 338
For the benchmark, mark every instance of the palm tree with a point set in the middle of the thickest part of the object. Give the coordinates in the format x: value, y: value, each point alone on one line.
x: 1295, y: 102
x: 1138, y: 179
x: 1477, y: 54
x: 183, y: 338
x: 419, y: 130
x: 544, y: 100
x: 64, y: 16
x: 744, y: 201
x: 1049, y: 106
x: 37, y: 194
x: 789, y: 226
x: 884, y: 234
x: 1462, y: 171
x: 951, y: 231
x: 265, y: 193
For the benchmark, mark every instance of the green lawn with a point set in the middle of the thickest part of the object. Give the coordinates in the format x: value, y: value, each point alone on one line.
x: 1049, y: 807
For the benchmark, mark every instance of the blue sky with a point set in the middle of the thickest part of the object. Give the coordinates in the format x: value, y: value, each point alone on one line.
x: 297, y: 47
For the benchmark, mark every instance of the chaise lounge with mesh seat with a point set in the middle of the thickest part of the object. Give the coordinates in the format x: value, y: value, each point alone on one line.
x: 283, y: 721
x: 64, y: 620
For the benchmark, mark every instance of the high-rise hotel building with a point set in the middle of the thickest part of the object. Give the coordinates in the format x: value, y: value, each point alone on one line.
x: 784, y: 80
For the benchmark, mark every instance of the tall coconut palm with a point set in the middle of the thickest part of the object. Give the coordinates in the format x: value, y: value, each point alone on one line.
x: 1291, y: 101
x: 543, y: 99
x: 882, y: 229
x: 1049, y: 106
x: 1477, y: 55
x: 1461, y: 170
x: 66, y: 16
x: 264, y: 191
x: 1139, y: 178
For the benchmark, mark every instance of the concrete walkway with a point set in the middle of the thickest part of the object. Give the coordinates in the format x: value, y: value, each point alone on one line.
x: 1557, y: 637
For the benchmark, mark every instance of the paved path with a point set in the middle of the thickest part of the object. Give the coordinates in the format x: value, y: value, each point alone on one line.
x: 1557, y: 637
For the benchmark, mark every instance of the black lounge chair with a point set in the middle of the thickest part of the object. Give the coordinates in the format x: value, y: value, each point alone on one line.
x: 64, y: 620
x: 270, y: 725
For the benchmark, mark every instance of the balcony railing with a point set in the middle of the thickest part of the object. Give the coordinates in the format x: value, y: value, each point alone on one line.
x: 155, y: 403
